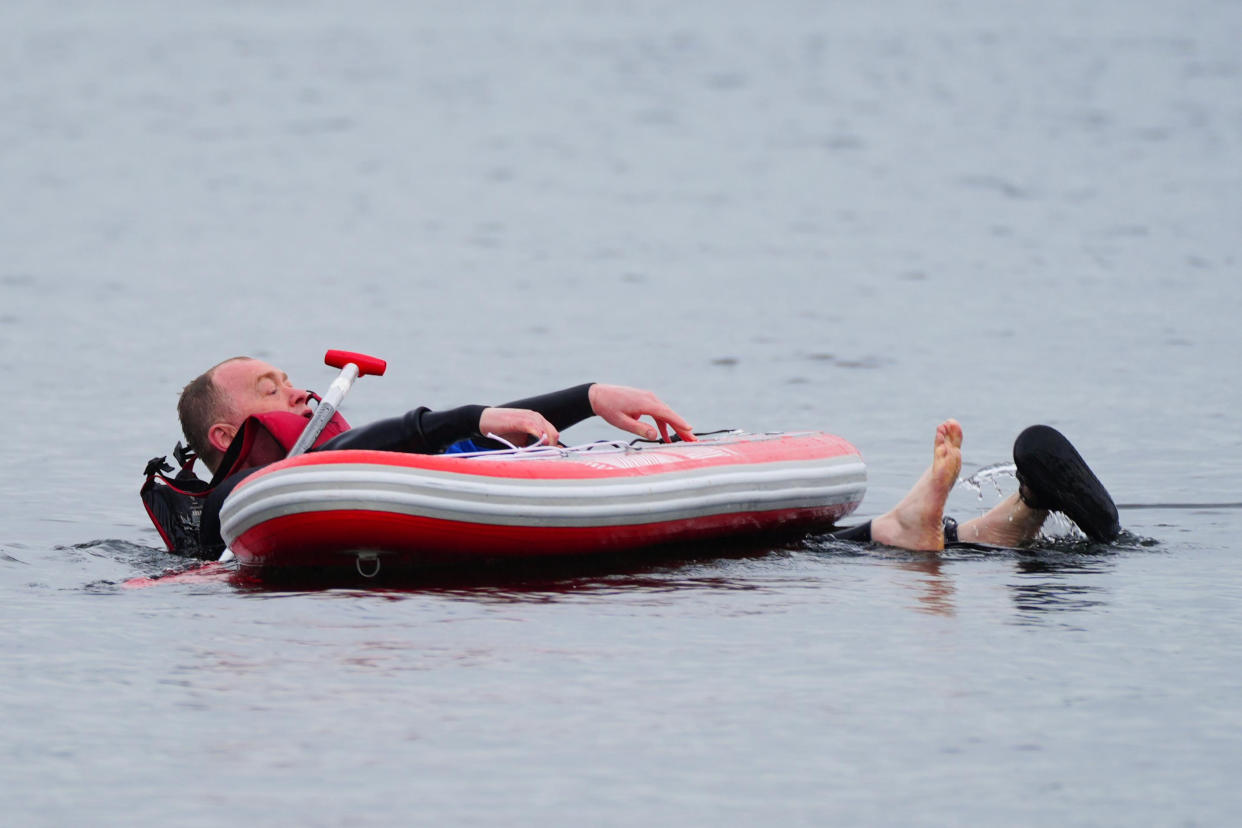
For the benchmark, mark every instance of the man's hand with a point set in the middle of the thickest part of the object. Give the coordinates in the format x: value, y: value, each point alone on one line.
x: 621, y: 406
x: 516, y: 425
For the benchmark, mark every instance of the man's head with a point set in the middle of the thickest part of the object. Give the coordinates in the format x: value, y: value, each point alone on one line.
x: 214, y: 406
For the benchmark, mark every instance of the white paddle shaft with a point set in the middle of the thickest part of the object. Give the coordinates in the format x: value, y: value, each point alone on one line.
x: 326, y: 408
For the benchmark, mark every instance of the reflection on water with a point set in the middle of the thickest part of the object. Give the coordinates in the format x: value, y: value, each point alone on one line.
x: 936, y: 588
x: 1058, y: 578
x: 1053, y: 575
x: 1060, y: 586
x: 719, y: 565
x: 1055, y: 596
x: 1056, y: 574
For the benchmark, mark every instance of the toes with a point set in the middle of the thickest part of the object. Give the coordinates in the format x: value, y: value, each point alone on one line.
x: 948, y: 435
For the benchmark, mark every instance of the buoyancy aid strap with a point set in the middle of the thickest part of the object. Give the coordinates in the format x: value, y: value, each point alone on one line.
x: 174, y: 505
x: 185, y: 480
x: 157, y: 465
x: 185, y: 456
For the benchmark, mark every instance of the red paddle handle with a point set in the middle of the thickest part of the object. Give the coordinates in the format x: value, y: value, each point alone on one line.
x: 367, y: 365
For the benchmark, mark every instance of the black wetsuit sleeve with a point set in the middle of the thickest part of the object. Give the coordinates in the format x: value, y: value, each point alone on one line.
x: 562, y: 408
x: 858, y: 534
x: 421, y: 431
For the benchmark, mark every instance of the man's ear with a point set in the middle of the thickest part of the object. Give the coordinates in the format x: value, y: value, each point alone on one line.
x: 221, y: 436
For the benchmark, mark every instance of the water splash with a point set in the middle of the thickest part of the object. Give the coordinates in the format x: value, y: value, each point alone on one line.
x: 991, y: 476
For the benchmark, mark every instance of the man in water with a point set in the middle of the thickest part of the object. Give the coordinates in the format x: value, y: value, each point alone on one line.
x: 214, y: 406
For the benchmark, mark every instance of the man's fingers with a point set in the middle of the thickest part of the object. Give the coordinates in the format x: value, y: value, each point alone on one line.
x: 627, y: 423
x: 680, y: 427
x: 517, y: 422
x: 621, y: 406
x: 683, y: 428
x: 666, y: 417
x: 538, y: 427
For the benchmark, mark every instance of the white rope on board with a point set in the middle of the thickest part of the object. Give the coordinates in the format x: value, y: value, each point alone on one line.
x: 541, y: 448
x: 543, y: 438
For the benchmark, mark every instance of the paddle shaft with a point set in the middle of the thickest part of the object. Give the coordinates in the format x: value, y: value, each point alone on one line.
x: 352, y: 365
x: 326, y: 409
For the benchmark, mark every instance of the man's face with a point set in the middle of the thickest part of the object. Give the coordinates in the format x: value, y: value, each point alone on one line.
x: 253, y: 387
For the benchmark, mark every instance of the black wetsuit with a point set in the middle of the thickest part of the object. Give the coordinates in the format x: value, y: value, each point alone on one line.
x: 421, y: 431
x: 862, y: 532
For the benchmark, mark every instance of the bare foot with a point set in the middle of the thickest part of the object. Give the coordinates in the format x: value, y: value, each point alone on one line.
x: 916, y: 522
x: 1009, y: 523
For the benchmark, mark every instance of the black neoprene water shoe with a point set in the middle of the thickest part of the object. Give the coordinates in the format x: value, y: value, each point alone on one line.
x: 1054, y: 476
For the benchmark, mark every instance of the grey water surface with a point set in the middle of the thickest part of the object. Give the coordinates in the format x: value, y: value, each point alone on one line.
x: 857, y: 217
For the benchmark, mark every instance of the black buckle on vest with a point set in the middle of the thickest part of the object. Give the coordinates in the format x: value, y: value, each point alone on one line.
x: 184, y: 455
x: 156, y: 465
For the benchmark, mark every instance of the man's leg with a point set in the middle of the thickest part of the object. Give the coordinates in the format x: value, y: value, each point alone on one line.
x: 1052, y: 476
x: 1009, y: 523
x: 917, y: 521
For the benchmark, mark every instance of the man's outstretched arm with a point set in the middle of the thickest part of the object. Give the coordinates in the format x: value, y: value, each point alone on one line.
x: 617, y: 405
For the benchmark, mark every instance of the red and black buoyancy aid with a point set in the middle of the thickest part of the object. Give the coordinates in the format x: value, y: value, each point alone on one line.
x: 175, y: 504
